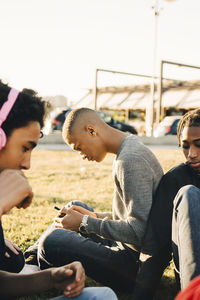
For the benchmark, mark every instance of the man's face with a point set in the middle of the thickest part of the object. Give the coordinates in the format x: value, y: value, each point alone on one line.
x: 88, y: 144
x: 190, y: 142
x: 17, y: 152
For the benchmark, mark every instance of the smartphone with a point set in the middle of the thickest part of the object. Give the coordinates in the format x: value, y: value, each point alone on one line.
x: 62, y: 214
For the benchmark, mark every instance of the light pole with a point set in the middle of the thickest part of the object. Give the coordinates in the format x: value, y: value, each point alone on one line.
x: 150, y: 104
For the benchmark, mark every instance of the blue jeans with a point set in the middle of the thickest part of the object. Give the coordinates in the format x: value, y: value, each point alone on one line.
x: 103, y: 260
x: 14, y: 263
x: 186, y: 234
x: 93, y: 293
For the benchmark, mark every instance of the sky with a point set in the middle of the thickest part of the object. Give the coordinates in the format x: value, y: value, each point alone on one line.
x: 55, y: 46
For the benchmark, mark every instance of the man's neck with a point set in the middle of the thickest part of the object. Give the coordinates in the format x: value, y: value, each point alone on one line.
x: 114, y: 140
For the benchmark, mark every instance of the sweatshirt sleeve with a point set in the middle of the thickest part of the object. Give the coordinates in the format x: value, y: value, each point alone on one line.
x: 134, y: 188
x: 102, y: 215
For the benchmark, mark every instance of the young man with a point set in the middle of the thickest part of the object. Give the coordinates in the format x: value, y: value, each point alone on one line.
x: 21, y: 119
x: 174, y: 220
x: 109, y: 243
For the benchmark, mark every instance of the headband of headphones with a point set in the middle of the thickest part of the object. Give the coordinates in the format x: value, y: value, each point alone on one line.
x: 7, y: 106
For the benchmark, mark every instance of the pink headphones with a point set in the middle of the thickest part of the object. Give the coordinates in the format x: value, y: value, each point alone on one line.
x: 6, y: 108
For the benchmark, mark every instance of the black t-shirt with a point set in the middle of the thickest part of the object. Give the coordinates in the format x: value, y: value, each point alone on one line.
x: 160, y: 218
x: 157, y: 240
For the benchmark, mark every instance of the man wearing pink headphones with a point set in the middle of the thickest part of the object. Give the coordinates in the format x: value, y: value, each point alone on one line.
x: 21, y: 120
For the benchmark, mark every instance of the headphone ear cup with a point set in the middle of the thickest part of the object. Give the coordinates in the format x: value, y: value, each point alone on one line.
x: 2, y: 139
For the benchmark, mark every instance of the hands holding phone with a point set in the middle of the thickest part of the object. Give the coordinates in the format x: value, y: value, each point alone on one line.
x: 72, y: 218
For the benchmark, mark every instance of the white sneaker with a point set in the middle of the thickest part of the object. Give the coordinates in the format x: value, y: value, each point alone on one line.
x: 27, y: 269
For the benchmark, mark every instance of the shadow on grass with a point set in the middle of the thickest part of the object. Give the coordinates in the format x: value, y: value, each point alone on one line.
x: 166, y: 291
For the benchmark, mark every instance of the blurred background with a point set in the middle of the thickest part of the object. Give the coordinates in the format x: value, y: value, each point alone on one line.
x: 135, y: 60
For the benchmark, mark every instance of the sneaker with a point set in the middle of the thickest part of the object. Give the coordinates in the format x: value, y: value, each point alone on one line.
x: 27, y: 269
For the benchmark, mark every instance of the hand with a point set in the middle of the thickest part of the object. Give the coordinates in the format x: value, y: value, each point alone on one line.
x: 13, y: 247
x: 71, y: 220
x: 69, y: 278
x: 82, y: 210
x: 14, y: 190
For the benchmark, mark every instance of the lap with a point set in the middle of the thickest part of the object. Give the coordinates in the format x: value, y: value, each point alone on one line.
x: 14, y: 263
x: 93, y: 293
x: 112, y: 266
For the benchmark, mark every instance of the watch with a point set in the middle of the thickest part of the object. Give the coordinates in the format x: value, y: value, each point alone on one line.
x: 84, y: 224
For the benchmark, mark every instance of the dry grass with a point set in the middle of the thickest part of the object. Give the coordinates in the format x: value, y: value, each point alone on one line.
x: 60, y: 176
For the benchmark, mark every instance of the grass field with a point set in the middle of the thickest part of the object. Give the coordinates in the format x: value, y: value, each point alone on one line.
x: 60, y: 176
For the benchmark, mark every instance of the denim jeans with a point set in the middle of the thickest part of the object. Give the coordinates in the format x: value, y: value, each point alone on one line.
x: 103, y: 260
x: 92, y: 293
x: 186, y: 234
x: 14, y: 263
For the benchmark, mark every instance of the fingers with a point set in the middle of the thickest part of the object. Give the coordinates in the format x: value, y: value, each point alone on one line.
x: 19, y: 193
x: 7, y: 255
x: 74, y: 289
x: 83, y: 210
x: 78, y: 269
x: 26, y: 202
x: 12, y: 247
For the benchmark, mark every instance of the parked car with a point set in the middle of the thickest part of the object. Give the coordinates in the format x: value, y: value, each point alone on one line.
x: 58, y: 121
x: 167, y: 126
x: 116, y: 124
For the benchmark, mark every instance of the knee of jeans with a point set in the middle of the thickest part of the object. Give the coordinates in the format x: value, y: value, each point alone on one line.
x: 57, y: 239
x: 109, y: 294
x: 187, y: 199
x: 78, y: 203
x: 98, y: 293
x: 185, y: 194
x: 75, y: 202
x: 50, y: 240
x: 15, y: 263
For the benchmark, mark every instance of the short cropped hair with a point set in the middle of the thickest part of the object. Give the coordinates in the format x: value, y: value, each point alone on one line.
x: 191, y: 118
x: 28, y: 107
x: 71, y: 119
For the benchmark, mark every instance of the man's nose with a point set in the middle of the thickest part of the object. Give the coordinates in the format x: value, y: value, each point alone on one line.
x: 26, y: 164
x: 192, y: 152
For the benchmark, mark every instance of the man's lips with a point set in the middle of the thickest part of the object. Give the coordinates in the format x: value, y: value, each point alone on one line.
x: 194, y: 164
x: 84, y: 156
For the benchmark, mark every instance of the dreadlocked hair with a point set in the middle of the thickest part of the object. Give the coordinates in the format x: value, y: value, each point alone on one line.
x: 191, y: 118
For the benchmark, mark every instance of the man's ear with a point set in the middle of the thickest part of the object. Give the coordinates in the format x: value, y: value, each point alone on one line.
x: 91, y: 130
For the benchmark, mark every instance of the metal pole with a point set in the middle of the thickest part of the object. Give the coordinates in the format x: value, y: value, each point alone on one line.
x: 150, y: 105
x: 159, y: 108
x: 95, y: 89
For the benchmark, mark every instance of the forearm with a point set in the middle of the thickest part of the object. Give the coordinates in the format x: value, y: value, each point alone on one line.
x: 15, y: 285
x: 117, y: 230
x: 102, y: 215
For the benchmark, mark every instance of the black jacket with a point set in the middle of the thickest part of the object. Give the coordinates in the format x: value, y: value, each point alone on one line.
x: 157, y: 239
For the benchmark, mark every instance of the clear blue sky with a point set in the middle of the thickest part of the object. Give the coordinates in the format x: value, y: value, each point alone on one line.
x: 54, y: 46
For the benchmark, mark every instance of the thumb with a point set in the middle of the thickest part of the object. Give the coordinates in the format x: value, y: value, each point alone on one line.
x: 62, y: 273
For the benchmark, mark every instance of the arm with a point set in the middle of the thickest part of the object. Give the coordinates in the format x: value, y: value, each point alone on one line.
x: 14, y: 190
x: 72, y: 217
x: 134, y: 181
x: 157, y: 239
x: 69, y: 279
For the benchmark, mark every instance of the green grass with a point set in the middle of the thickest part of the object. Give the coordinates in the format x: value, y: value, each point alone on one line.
x: 60, y: 176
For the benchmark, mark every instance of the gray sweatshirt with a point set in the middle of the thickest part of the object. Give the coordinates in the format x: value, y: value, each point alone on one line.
x: 136, y: 174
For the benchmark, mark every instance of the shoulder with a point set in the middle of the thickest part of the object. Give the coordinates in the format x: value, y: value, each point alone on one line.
x: 177, y: 171
x: 174, y: 177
